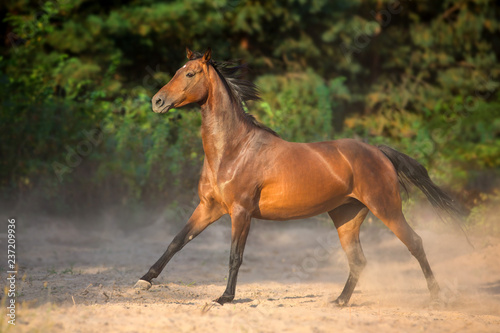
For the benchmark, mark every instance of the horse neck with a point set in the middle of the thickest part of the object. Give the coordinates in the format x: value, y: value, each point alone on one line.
x: 224, y: 129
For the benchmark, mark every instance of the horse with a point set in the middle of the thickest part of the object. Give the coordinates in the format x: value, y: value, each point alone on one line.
x: 250, y: 172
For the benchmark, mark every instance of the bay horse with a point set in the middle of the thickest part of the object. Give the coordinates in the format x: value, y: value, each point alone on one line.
x: 250, y: 172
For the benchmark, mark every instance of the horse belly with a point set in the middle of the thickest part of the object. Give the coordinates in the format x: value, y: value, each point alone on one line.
x: 302, y: 192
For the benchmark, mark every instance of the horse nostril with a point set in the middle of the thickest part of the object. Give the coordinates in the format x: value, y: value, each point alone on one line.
x: 159, y: 102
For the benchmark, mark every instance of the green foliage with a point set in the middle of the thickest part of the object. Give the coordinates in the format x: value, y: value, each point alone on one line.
x: 421, y: 76
x: 301, y: 106
x: 484, y: 214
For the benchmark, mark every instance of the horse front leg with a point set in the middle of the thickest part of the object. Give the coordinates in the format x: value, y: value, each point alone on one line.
x: 240, y: 226
x: 202, y: 217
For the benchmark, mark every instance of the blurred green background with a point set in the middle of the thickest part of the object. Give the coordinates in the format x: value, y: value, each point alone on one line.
x: 76, y: 79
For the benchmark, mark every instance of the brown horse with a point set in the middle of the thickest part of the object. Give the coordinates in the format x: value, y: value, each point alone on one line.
x: 249, y: 171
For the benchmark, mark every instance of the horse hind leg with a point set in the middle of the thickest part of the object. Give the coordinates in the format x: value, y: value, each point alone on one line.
x: 396, y: 222
x: 348, y: 219
x: 413, y: 242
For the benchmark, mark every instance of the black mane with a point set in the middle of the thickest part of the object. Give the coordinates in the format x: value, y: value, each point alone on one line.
x: 239, y: 89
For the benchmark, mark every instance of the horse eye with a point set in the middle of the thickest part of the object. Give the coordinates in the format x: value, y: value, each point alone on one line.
x: 190, y: 74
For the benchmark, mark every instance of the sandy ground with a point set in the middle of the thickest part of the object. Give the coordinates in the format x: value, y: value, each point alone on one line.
x: 81, y: 280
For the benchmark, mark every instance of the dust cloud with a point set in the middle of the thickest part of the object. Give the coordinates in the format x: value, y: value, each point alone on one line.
x: 80, y: 279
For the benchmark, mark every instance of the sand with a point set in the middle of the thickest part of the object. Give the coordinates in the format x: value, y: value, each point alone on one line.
x: 80, y: 279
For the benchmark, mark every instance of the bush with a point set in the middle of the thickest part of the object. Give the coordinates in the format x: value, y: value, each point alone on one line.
x: 301, y: 107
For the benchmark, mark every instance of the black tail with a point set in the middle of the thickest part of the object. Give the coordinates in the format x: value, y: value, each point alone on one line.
x: 410, y: 171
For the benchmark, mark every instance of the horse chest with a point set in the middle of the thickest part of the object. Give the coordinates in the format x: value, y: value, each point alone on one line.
x: 231, y: 184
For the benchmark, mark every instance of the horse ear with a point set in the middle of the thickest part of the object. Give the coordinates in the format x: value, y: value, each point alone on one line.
x: 207, y: 56
x: 189, y: 53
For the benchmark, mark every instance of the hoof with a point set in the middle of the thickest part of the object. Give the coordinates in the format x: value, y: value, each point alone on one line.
x: 143, y: 285
x: 437, y: 303
x: 224, y: 299
x: 340, y: 302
